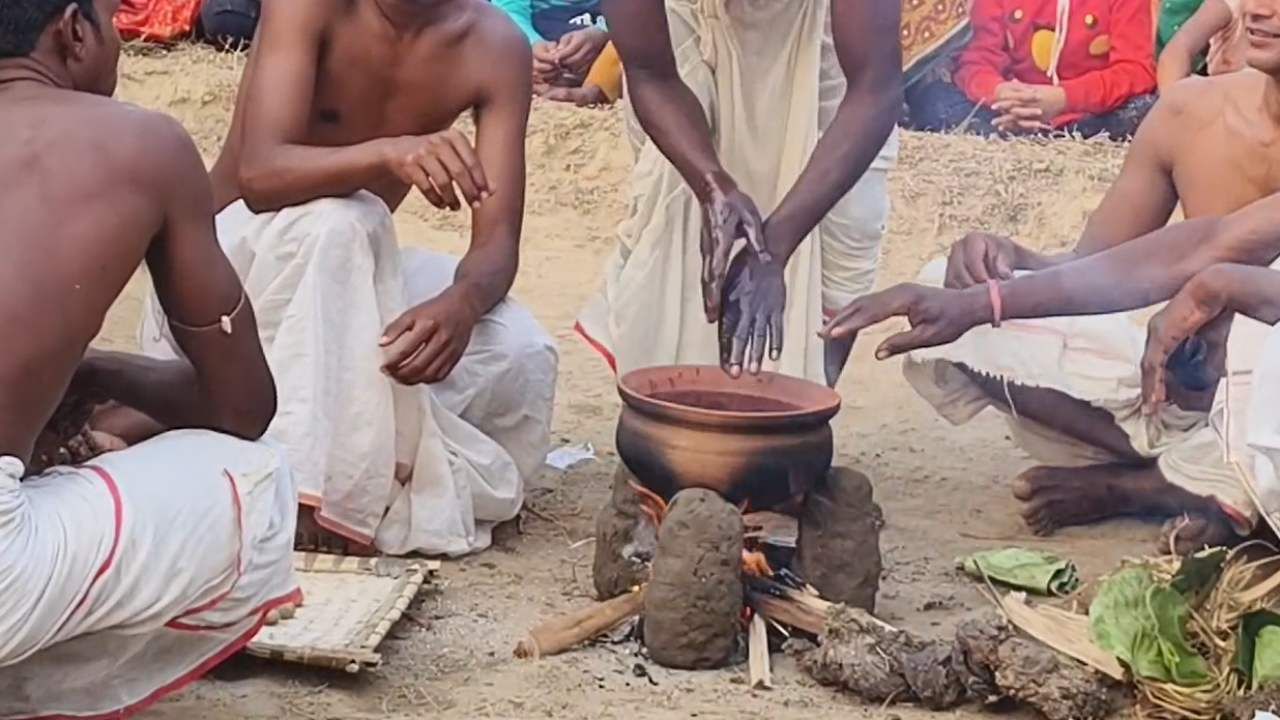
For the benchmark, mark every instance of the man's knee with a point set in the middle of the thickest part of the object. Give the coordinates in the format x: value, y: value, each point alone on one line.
x: 348, y: 229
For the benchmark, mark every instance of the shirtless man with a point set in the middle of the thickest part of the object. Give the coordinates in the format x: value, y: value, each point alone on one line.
x: 1074, y: 377
x: 105, y: 186
x: 770, y: 123
x: 414, y: 398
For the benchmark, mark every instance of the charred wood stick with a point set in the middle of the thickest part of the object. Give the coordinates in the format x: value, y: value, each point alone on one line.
x: 565, y: 633
x: 797, y: 608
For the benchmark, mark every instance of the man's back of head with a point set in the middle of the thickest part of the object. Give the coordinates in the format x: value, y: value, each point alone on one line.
x: 67, y: 43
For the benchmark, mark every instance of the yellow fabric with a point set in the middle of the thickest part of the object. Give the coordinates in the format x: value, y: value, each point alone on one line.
x: 606, y: 73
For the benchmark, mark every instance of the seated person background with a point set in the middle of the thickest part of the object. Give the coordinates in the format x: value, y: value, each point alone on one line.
x: 573, y: 60
x: 229, y: 24
x: 415, y: 397
x: 124, y: 579
x: 1094, y: 75
x: 1218, y: 27
x: 1066, y: 367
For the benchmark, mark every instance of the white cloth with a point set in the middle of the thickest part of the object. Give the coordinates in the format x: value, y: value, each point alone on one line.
x: 1263, y: 432
x: 126, y: 579
x: 410, y: 469
x: 768, y: 78
x: 1096, y: 359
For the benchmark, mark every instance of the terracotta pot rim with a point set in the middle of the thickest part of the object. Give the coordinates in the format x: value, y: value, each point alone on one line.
x: 819, y: 403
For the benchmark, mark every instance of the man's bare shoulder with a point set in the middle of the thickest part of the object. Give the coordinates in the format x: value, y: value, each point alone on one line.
x: 493, y: 32
x: 1200, y: 98
x: 143, y: 151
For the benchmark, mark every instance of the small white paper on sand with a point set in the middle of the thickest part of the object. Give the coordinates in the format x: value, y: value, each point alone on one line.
x: 565, y: 457
x: 1261, y: 715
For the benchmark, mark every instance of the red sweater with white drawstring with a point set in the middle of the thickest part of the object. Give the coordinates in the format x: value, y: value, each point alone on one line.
x: 1107, y: 58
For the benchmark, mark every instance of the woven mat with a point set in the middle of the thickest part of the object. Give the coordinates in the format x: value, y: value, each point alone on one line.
x: 349, y: 606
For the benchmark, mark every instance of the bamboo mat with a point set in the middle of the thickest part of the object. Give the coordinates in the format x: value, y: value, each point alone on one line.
x: 349, y: 606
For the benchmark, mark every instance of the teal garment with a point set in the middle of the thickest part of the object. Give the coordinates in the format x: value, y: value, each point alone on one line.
x: 1173, y: 15
x: 523, y: 12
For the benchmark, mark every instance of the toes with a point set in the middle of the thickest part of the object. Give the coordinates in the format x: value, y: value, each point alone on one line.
x: 1023, y: 489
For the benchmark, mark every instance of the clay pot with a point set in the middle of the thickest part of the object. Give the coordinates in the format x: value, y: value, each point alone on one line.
x: 758, y: 439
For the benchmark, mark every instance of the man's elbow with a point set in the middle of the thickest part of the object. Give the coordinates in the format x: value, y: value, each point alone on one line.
x: 258, y: 183
x: 250, y: 419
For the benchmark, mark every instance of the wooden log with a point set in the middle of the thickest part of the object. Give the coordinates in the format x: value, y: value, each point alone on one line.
x: 569, y: 631
x: 759, y: 671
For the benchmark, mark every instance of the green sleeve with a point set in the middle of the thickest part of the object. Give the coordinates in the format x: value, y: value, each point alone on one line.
x: 521, y: 12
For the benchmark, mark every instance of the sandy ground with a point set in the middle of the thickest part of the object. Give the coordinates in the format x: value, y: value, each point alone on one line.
x: 945, y: 491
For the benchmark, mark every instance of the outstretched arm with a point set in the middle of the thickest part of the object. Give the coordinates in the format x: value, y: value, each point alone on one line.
x: 1136, y: 274
x: 866, y: 34
x: 1178, y: 59
x: 223, y: 382
x: 1140, y: 201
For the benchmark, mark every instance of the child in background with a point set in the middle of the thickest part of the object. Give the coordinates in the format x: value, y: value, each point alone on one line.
x: 1218, y: 26
x: 1081, y: 66
x: 569, y: 39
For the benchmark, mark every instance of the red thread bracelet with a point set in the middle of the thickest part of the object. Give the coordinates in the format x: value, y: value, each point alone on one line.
x: 997, y: 303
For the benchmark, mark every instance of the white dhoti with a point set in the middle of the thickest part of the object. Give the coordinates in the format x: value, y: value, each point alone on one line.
x: 767, y: 76
x: 124, y: 580
x: 426, y: 469
x: 1097, y: 359
x: 1260, y: 460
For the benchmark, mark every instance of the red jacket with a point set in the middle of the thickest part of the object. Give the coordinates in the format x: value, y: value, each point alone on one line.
x: 1108, y: 58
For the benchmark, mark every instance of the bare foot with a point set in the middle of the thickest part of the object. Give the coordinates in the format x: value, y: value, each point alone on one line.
x: 311, y: 537
x: 1192, y: 533
x: 1055, y: 497
x: 586, y: 96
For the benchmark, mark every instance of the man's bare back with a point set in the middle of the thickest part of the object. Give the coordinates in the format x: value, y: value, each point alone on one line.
x: 72, y: 238
x: 381, y: 74
x: 104, y: 186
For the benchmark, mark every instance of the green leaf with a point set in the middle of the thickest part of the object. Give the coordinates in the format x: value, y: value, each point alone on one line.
x: 1199, y: 573
x: 1258, y: 648
x: 1036, y: 572
x: 1143, y: 623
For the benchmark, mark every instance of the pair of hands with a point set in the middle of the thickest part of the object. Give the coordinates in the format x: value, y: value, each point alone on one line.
x: 425, y: 344
x: 1024, y: 108
x: 568, y: 59
x: 746, y: 294
x: 1188, y: 334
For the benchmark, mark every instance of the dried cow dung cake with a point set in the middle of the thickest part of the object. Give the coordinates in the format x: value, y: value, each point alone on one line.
x: 625, y: 540
x: 693, y: 605
x: 838, y: 551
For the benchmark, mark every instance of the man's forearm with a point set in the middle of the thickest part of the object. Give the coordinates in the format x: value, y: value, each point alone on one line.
x: 169, y: 391
x: 485, y: 275
x: 289, y: 175
x: 842, y: 155
x: 674, y: 120
x: 1137, y: 274
x: 1149, y: 269
x: 1248, y: 290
